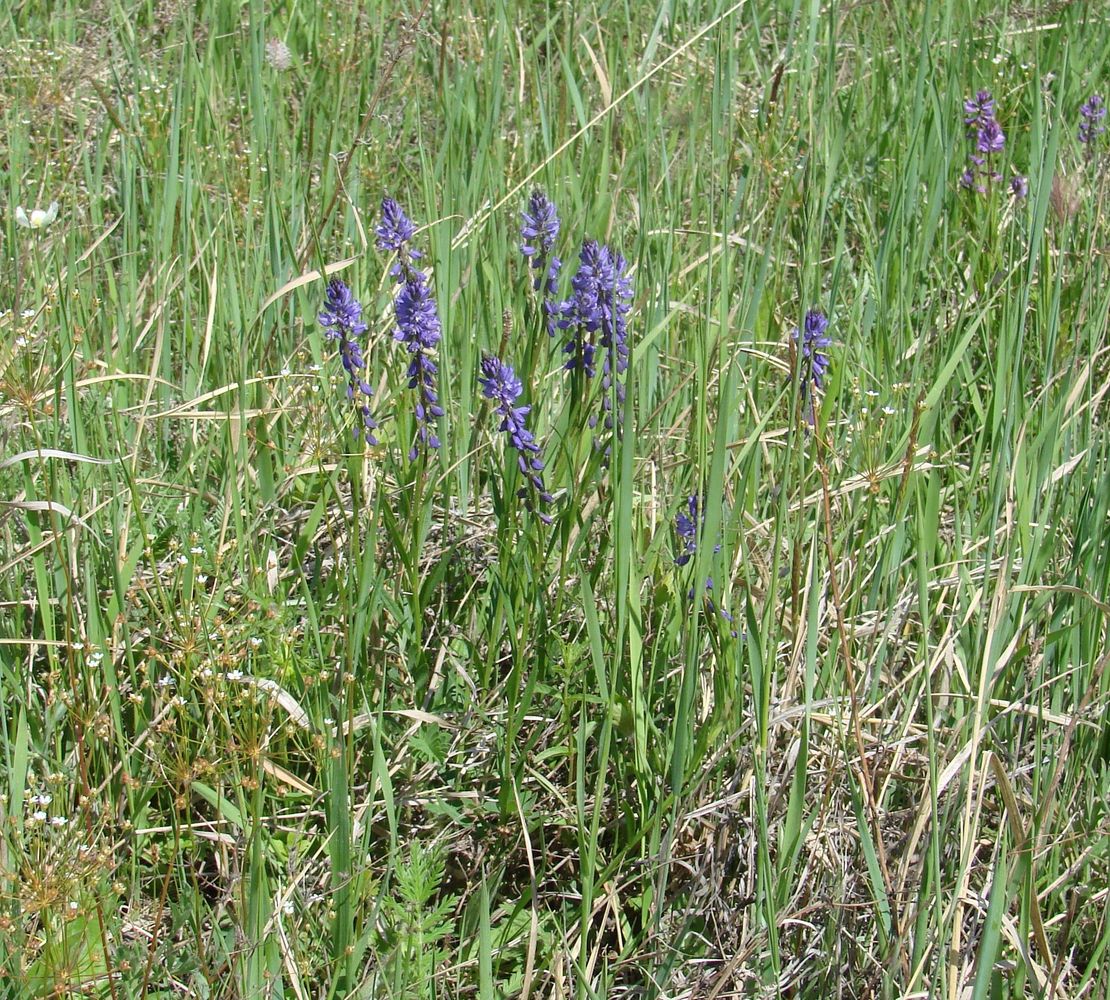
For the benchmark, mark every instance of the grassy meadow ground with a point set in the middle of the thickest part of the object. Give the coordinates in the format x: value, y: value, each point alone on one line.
x: 287, y: 715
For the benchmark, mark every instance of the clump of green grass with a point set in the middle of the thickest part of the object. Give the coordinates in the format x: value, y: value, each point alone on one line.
x: 289, y: 713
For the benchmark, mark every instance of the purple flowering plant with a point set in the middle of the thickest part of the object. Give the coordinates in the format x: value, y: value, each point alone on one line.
x: 596, y: 316
x: 810, y: 343
x: 341, y: 319
x: 418, y: 326
x: 688, y: 525
x: 500, y: 383
x: 978, y: 110
x: 982, y: 128
x: 538, y: 232
x: 1091, y: 115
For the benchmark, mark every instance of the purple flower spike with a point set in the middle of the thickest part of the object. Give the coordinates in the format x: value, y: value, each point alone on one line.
x: 597, y: 314
x: 978, y: 110
x: 1091, y: 114
x: 1019, y: 186
x: 395, y: 229
x: 614, y: 338
x: 538, y: 232
x: 813, y: 342
x: 688, y: 526
x: 813, y: 363
x: 581, y: 314
x: 418, y: 326
x: 990, y: 138
x: 500, y: 383
x: 341, y: 319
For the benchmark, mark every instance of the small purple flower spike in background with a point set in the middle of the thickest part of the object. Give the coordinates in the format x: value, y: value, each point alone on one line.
x: 538, y: 232
x: 341, y: 319
x: 813, y: 363
x: 500, y: 383
x: 418, y: 326
x: 1091, y: 114
x: 687, y: 525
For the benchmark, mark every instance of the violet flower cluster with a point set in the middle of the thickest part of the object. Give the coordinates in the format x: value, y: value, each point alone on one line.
x: 418, y: 326
x: 341, y: 319
x: 983, y: 128
x: 1091, y: 114
x: 688, y: 526
x: 500, y: 383
x: 596, y: 316
x: 538, y: 233
x: 989, y: 140
x: 813, y: 363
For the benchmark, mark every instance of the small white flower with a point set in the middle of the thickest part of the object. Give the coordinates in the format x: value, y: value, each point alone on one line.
x: 278, y: 55
x: 197, y: 550
x: 234, y: 675
x: 28, y: 313
x: 285, y: 372
x: 287, y: 907
x: 39, y: 218
x: 38, y: 815
x: 889, y: 411
x: 255, y: 641
x: 182, y: 560
x: 20, y: 341
x: 59, y: 821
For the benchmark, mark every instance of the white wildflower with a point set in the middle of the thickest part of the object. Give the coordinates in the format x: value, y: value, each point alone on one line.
x: 39, y: 218
x: 278, y: 55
